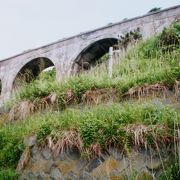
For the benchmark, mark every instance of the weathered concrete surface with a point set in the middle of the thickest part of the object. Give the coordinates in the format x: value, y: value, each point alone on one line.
x: 64, y: 53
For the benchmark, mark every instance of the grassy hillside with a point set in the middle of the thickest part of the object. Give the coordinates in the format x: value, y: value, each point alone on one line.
x: 152, y: 63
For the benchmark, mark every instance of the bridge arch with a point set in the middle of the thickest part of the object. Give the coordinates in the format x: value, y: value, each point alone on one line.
x: 31, y: 70
x: 0, y: 87
x: 92, y: 53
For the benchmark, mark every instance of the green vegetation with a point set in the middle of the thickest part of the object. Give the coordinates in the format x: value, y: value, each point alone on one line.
x: 164, y: 43
x: 153, y: 61
x: 130, y: 38
x: 8, y: 174
x: 104, y: 124
x: 172, y: 172
x: 154, y: 9
x: 144, y: 64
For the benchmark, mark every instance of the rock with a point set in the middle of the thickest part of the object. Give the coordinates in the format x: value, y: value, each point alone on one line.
x: 144, y: 176
x: 62, y: 156
x: 85, y: 176
x: 23, y: 176
x: 46, y: 153
x: 118, y: 177
x: 115, y: 153
x: 105, y: 178
x: 48, y: 166
x: 114, y: 172
x: 124, y: 164
x: 35, y: 154
x: 138, y: 160
x: 71, y: 176
x: 123, y: 177
x: 40, y: 175
x: 55, y: 174
x: 81, y: 164
x: 73, y: 154
x: 30, y: 141
x: 37, y: 163
x: 34, y: 151
x: 30, y: 176
x: 155, y: 164
x: 94, y: 164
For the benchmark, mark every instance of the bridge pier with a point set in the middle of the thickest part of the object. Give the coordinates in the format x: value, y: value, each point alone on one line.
x: 6, y: 91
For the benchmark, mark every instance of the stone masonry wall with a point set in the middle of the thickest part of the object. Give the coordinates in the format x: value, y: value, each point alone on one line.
x: 39, y: 163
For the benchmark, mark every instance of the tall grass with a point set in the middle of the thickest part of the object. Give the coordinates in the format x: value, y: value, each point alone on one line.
x: 129, y: 71
x: 104, y: 124
x: 98, y: 127
x: 153, y: 61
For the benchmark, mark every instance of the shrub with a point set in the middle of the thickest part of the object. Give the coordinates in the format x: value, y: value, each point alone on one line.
x: 8, y: 174
x: 169, y: 39
x: 154, y: 9
x: 166, y: 41
x: 172, y: 172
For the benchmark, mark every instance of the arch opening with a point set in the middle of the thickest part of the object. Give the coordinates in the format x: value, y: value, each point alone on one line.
x: 32, y: 70
x: 92, y: 55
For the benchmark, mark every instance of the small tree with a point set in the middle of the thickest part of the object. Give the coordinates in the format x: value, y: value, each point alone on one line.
x: 130, y: 38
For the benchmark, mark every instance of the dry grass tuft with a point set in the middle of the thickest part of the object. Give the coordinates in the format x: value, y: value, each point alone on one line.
x: 140, y: 133
x: 21, y: 110
x: 49, y: 101
x: 147, y: 89
x: 177, y: 89
x: 69, y: 97
x: 95, y: 97
x: 24, y: 159
x: 3, y: 118
x: 96, y: 149
x: 25, y: 108
x: 68, y: 140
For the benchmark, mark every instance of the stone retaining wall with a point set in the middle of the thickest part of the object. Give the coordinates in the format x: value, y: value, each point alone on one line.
x: 40, y: 163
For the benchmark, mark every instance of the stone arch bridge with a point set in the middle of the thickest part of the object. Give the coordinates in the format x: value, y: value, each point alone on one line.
x: 68, y: 54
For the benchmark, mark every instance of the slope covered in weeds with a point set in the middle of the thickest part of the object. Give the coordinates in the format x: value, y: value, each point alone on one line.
x: 153, y: 61
x: 92, y: 129
x: 104, y: 124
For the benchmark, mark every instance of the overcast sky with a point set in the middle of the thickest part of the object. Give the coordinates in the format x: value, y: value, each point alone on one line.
x: 27, y: 24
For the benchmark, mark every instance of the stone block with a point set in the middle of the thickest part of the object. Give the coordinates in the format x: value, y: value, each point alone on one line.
x: 55, y: 174
x: 86, y: 176
x: 46, y: 154
x: 71, y: 176
x: 30, y: 141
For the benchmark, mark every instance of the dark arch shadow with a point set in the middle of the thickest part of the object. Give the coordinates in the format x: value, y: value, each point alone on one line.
x: 31, y: 70
x: 90, y: 55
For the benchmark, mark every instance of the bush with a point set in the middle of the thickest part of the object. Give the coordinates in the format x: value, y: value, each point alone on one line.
x: 154, y: 9
x: 169, y: 39
x: 166, y: 41
x: 8, y: 174
x: 172, y: 172
x: 11, y: 149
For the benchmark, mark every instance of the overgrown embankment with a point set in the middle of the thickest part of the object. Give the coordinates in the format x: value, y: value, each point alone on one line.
x: 151, y: 62
x: 42, y: 108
